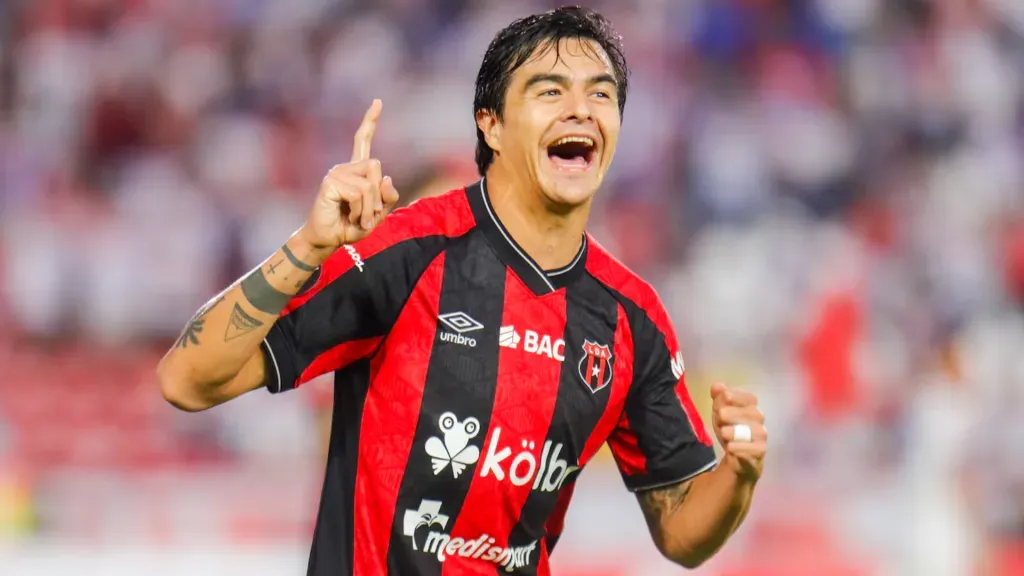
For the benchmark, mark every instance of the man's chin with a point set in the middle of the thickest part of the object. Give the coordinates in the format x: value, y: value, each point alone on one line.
x: 569, y: 195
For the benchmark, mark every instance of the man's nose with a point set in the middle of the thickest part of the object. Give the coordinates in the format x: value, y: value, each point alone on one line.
x: 577, y: 106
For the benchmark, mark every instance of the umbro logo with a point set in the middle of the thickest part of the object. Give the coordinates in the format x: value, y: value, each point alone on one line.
x: 460, y: 323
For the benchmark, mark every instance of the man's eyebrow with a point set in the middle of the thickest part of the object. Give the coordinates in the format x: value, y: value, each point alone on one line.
x: 560, y: 79
x: 564, y: 81
x: 602, y: 79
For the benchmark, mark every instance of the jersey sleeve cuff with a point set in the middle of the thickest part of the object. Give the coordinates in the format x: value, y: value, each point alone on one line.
x: 277, y: 361
x: 651, y: 482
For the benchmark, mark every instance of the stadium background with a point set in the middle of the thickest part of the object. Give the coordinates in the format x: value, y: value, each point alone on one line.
x: 829, y: 195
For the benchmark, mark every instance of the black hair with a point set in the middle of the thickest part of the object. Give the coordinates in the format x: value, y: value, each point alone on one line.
x: 514, y: 46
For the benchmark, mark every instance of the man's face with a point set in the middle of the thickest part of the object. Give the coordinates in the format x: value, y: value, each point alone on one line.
x: 560, y: 123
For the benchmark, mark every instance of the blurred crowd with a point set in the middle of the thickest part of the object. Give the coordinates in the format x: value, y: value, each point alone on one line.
x: 828, y: 194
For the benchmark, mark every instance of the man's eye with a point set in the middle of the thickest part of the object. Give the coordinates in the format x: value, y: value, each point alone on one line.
x: 602, y: 94
x: 551, y: 92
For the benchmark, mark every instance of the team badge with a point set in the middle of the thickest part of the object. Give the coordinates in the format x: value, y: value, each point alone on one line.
x: 596, y: 365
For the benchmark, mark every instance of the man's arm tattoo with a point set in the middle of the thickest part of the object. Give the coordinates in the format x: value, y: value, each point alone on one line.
x: 295, y: 261
x: 262, y: 295
x: 659, y: 503
x: 190, y: 335
x: 240, y: 324
x: 273, y: 267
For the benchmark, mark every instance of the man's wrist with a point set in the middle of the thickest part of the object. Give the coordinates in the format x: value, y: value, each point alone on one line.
x: 743, y: 478
x: 306, y: 252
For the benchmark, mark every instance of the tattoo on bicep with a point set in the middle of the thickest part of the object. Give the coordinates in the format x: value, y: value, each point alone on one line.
x: 240, y: 324
x: 190, y: 335
x: 660, y: 502
x: 271, y: 268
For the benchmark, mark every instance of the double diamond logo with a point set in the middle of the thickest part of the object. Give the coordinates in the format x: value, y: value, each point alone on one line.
x: 460, y: 322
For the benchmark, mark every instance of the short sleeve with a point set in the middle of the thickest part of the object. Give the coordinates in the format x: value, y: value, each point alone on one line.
x: 350, y: 303
x: 660, y: 438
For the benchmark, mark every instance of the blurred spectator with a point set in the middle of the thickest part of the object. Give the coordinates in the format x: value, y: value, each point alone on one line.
x: 828, y: 194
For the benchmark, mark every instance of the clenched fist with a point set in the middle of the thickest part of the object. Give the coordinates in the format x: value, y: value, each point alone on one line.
x: 354, y: 197
x: 739, y: 425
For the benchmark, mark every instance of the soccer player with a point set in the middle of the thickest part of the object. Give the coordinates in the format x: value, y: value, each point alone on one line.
x: 484, y: 346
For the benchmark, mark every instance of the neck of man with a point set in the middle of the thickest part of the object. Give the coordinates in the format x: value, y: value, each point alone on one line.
x: 550, y: 234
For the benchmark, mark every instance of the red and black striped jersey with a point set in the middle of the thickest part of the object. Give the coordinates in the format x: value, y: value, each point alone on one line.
x: 471, y: 387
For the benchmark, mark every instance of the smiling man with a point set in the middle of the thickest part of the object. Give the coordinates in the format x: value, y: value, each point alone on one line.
x: 484, y: 346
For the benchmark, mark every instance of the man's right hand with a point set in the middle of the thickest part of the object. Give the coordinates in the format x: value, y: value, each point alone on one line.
x: 203, y: 370
x: 353, y: 198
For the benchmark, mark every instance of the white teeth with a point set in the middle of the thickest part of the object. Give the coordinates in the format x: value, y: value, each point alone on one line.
x: 580, y: 139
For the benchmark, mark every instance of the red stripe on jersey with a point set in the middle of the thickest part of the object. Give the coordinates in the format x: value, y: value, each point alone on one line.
x: 390, y: 415
x: 626, y: 450
x: 611, y: 272
x: 544, y: 561
x: 446, y: 215
x: 341, y: 355
x: 524, y: 404
x: 614, y: 425
x: 622, y: 377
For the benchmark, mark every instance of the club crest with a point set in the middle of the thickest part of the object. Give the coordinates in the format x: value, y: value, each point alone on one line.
x: 595, y: 367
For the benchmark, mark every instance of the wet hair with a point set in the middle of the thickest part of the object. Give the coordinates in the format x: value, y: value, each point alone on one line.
x: 516, y: 44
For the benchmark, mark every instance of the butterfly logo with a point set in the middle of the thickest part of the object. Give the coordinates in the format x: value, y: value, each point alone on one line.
x: 454, y: 449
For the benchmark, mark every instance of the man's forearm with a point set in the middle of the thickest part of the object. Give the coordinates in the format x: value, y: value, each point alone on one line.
x: 717, y: 505
x: 226, y: 332
x: 692, y: 521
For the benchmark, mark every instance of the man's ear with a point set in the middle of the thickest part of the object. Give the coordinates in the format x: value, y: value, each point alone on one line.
x: 489, y: 124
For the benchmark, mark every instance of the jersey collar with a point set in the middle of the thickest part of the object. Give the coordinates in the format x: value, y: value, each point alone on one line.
x: 539, y: 281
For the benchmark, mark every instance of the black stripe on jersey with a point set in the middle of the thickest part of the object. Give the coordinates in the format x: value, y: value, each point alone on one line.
x: 356, y: 305
x: 591, y: 314
x: 473, y: 285
x: 332, y: 552
x: 551, y: 541
x: 669, y: 444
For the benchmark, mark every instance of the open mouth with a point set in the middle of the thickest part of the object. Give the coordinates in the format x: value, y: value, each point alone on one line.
x: 572, y: 153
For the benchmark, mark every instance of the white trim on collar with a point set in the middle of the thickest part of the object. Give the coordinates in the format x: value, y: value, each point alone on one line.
x: 501, y: 228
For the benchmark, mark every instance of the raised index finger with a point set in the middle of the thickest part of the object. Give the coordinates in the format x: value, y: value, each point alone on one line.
x: 364, y: 135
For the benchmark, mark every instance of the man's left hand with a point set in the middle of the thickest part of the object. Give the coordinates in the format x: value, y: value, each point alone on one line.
x: 732, y: 410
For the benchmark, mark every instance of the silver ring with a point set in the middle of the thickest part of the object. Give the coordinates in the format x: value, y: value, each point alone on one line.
x: 742, y: 433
